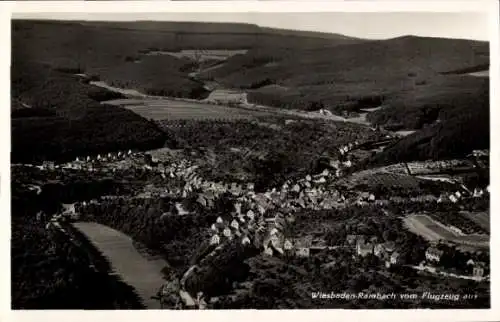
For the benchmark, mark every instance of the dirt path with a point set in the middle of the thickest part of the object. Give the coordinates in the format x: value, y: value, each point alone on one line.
x: 134, y: 269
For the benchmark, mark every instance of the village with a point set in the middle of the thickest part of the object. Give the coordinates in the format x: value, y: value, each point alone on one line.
x: 262, y: 219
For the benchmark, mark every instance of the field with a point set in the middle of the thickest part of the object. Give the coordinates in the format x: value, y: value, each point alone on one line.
x: 202, y: 54
x: 166, y: 109
x: 226, y: 96
x: 372, y: 179
x: 432, y: 230
x: 482, y: 219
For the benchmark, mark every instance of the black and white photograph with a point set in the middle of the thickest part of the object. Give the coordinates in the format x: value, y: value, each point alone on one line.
x: 250, y: 160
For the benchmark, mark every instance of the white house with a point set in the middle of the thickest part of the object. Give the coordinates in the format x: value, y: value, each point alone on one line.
x: 287, y: 245
x: 245, y: 240
x: 227, y: 232
x: 215, y: 240
x: 235, y: 224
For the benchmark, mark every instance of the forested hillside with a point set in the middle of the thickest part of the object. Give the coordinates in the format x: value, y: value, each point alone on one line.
x: 64, y: 118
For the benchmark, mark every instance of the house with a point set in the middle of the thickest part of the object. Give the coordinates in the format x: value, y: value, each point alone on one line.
x: 363, y: 249
x: 478, y: 270
x: 227, y: 232
x: 245, y: 240
x: 235, y: 224
x: 453, y: 198
x: 394, y: 258
x: 215, y: 240
x: 456, y: 230
x: 302, y: 252
x: 478, y: 193
x: 250, y: 214
x: 320, y: 180
x: 433, y: 254
x: 379, y: 250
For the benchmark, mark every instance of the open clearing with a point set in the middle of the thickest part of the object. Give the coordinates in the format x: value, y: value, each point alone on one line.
x: 483, y: 73
x: 168, y: 109
x: 134, y: 269
x: 433, y: 230
x: 202, y: 54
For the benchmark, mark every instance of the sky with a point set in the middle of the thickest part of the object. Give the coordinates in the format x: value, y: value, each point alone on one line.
x: 372, y: 25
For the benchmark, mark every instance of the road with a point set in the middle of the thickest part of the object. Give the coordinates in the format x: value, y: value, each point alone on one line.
x: 143, y: 274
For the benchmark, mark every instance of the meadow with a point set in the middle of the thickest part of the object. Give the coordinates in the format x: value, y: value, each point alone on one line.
x: 167, y: 109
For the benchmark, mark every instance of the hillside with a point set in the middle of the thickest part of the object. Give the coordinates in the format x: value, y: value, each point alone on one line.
x: 118, y: 51
x: 397, y: 71
x: 465, y: 129
x: 418, y: 81
x: 65, y: 118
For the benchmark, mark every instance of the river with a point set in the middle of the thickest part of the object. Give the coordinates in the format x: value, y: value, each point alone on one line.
x: 143, y: 274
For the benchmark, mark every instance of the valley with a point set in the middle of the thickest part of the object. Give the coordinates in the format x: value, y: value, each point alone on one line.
x: 178, y: 165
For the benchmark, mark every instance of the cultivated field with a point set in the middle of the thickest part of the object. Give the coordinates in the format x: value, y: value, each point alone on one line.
x: 202, y: 54
x: 168, y: 109
x: 433, y: 230
x: 480, y: 218
x: 373, y: 178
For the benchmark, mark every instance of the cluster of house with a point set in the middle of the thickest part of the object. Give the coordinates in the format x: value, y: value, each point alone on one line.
x: 385, y: 251
x: 252, y: 228
x: 433, y: 255
x: 480, y: 154
x: 86, y: 162
x: 464, y: 193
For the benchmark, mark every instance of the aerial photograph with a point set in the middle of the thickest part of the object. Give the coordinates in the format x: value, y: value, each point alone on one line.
x: 190, y: 161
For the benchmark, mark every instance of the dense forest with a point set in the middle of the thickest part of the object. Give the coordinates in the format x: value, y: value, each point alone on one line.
x: 267, y: 156
x: 65, y: 119
x: 459, y: 131
x: 405, y: 71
